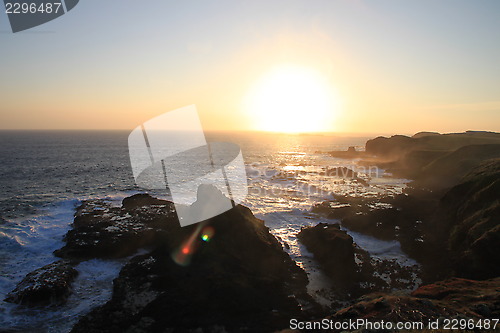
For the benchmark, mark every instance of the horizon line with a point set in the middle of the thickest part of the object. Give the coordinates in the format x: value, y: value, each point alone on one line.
x: 206, y: 131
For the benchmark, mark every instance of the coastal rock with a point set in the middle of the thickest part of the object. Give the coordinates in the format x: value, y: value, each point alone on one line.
x: 142, y: 200
x: 387, y: 218
x: 403, y: 217
x: 352, y: 269
x: 447, y: 170
x: 102, y: 231
x: 351, y: 152
x: 410, y: 165
x: 446, y: 299
x: 422, y: 134
x: 238, y: 279
x: 436, y: 161
x: 333, y: 210
x: 470, y: 215
x: 462, y: 225
x: 50, y: 284
x: 390, y: 147
x: 397, y: 145
x: 334, y: 250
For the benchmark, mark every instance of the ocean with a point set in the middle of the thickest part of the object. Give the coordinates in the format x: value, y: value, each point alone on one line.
x: 45, y: 175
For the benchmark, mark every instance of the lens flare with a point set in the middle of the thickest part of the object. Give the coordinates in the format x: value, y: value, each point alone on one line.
x: 183, y: 254
x: 207, y: 234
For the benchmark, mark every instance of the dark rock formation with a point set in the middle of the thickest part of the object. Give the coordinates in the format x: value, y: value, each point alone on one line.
x: 450, y: 298
x: 336, y: 252
x: 469, y: 218
x: 142, y: 200
x: 448, y: 169
x: 422, y: 134
x: 241, y: 279
x: 351, y: 152
x: 50, y: 284
x: 463, y: 226
x: 411, y: 164
x: 435, y: 161
x: 399, y: 144
x: 333, y: 209
x: 102, y: 231
x: 390, y: 147
x: 334, y: 249
x: 407, y: 218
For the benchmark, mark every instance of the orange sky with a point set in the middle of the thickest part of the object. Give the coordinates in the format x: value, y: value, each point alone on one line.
x: 389, y: 73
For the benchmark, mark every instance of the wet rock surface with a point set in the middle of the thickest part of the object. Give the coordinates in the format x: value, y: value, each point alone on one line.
x: 334, y: 249
x: 352, y: 269
x: 50, y: 284
x: 102, y: 231
x: 405, y: 218
x: 453, y: 298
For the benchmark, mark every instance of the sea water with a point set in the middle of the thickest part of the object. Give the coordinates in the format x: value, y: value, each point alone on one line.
x: 45, y: 175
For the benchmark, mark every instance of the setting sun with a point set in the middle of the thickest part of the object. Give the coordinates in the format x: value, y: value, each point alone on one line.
x: 292, y: 99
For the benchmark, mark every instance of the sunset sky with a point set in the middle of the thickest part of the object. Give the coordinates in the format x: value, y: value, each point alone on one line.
x: 382, y: 66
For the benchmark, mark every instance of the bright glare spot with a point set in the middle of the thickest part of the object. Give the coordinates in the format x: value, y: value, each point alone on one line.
x: 293, y: 99
x: 207, y: 233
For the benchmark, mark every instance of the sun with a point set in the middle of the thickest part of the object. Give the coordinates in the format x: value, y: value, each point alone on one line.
x: 292, y: 99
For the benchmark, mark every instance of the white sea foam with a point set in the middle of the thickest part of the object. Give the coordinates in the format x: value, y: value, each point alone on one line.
x: 33, y: 240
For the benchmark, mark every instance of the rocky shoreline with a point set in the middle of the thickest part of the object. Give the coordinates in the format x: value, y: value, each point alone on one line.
x: 231, y: 274
x: 240, y: 278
